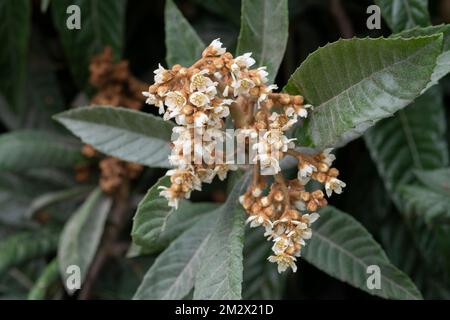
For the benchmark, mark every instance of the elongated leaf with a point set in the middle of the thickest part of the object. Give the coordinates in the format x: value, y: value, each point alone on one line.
x: 48, y: 277
x: 48, y: 199
x: 437, y: 180
x: 343, y: 248
x: 443, y: 62
x: 26, y: 246
x: 28, y: 149
x: 123, y: 133
x: 221, y: 273
x: 432, y: 201
x: 15, y: 18
x: 13, y: 200
x: 427, y: 204
x: 355, y: 83
x: 404, y: 14
x: 400, y: 244
x: 261, y: 279
x: 101, y: 25
x: 173, y: 273
x: 264, y: 32
x: 225, y: 8
x: 44, y: 5
x: 183, y: 45
x: 156, y: 224
x: 414, y: 139
x: 82, y: 233
x: 17, y: 192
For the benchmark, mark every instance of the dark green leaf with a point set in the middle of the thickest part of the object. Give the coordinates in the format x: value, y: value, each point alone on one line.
x: 261, y: 278
x: 221, y: 273
x: 355, y: 83
x: 264, y: 32
x: 25, y: 246
x: 47, y: 199
x: 123, y: 133
x: 426, y: 204
x: 173, y: 273
x: 225, y: 8
x: 44, y: 5
x: 82, y: 233
x: 183, y: 45
x: 15, y: 18
x: 414, y: 139
x: 48, y: 277
x: 28, y: 149
x: 343, y: 248
x: 432, y: 201
x: 177, y: 269
x: 443, y: 62
x: 404, y: 14
x: 156, y: 224
x: 437, y: 180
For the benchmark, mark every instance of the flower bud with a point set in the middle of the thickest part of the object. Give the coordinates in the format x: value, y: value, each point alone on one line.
x: 333, y: 172
x: 323, y: 167
x: 312, y: 206
x: 278, y: 196
x: 298, y: 100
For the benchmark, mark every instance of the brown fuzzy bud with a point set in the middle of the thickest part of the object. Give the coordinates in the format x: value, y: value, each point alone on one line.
x: 265, y: 201
x: 323, y: 167
x: 152, y: 89
x: 278, y: 196
x: 88, y: 151
x: 321, y: 177
x: 290, y: 250
x: 333, y: 172
x: 260, y: 116
x: 183, y: 71
x: 162, y: 90
x: 269, y: 103
x: 284, y: 99
x: 298, y: 100
x: 318, y: 194
x: 312, y: 206
x: 176, y: 67
x: 322, y: 202
x: 218, y: 64
x: 248, y: 201
x: 188, y: 110
x: 254, y: 91
x: 189, y: 119
x: 227, y: 55
x: 305, y: 196
x: 260, y: 125
x: 256, y: 208
x: 269, y: 212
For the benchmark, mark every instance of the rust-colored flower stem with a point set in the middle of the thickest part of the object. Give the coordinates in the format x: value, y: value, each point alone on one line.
x: 279, y: 178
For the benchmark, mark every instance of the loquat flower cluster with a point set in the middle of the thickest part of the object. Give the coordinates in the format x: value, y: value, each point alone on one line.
x: 115, y: 86
x: 199, y: 99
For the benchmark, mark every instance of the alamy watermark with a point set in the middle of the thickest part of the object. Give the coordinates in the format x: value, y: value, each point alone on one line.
x: 73, y: 278
x: 73, y: 21
x: 374, y: 20
x: 373, y: 281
